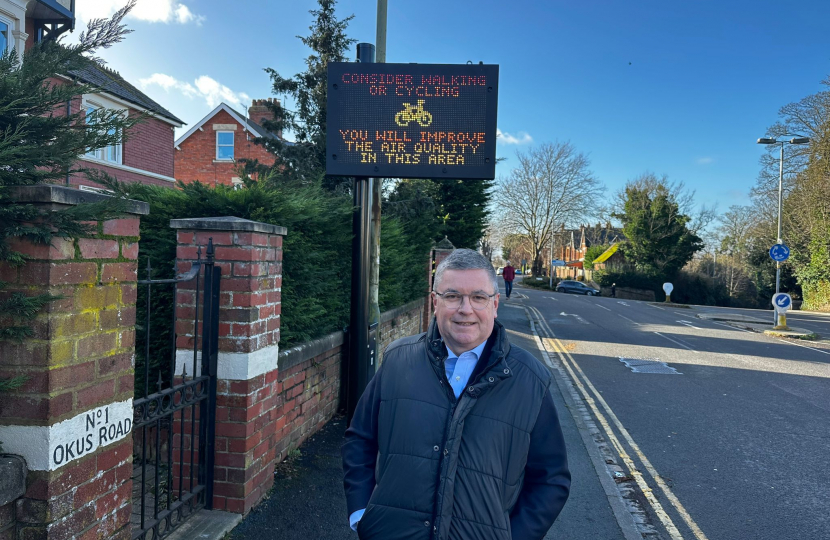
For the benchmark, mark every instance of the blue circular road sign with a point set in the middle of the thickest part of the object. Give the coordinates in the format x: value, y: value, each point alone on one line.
x: 779, y: 252
x: 782, y: 301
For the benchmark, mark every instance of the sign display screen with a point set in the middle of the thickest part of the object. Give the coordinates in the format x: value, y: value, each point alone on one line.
x: 412, y: 120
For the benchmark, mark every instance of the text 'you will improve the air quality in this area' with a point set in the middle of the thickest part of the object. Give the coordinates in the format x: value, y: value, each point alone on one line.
x: 413, y: 117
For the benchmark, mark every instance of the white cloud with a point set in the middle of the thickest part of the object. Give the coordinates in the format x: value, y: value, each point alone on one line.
x: 165, y: 11
x: 520, y: 138
x: 204, y: 87
x: 704, y: 160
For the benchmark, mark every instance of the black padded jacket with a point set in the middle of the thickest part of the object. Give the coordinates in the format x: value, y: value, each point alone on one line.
x: 425, y: 465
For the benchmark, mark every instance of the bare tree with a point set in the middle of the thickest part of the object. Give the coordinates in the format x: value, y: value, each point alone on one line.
x: 804, y: 118
x: 551, y: 187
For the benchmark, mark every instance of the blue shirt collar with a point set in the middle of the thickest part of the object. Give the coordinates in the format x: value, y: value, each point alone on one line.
x: 477, y: 351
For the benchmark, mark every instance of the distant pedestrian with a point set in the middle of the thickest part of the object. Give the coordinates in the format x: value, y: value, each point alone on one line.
x: 457, y: 436
x: 613, y: 290
x: 509, y: 274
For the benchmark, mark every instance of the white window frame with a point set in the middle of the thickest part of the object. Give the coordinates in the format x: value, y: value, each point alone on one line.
x: 226, y: 145
x: 10, y: 36
x: 104, y: 154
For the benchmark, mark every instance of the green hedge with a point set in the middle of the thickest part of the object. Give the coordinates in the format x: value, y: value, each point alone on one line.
x: 689, y: 288
x: 316, y: 256
x: 816, y: 296
x: 544, y: 284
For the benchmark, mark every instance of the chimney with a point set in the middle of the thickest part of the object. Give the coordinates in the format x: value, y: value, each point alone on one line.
x: 259, y: 112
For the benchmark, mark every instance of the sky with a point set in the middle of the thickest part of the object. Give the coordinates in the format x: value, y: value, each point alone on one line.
x: 676, y: 87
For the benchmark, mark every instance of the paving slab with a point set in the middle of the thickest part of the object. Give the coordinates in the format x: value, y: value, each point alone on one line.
x: 206, y: 525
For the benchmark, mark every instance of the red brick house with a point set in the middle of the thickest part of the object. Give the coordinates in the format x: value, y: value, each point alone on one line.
x: 210, y: 150
x: 146, y: 154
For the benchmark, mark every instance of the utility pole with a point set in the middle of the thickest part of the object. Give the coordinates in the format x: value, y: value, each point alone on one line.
x: 362, y: 329
x: 377, y: 188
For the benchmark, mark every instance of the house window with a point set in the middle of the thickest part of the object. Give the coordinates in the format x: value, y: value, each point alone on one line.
x: 224, y: 145
x: 5, y: 36
x: 110, y: 153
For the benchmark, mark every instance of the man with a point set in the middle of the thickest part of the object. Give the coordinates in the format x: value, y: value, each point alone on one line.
x: 456, y: 436
x: 509, y: 274
x: 613, y: 290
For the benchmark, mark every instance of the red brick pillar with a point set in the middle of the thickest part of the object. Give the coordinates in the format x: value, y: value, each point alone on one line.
x: 439, y: 252
x: 72, y: 420
x: 250, y: 257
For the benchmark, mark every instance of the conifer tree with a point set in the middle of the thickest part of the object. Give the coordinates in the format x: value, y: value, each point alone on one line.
x: 40, y: 143
x: 463, y: 210
x: 306, y: 157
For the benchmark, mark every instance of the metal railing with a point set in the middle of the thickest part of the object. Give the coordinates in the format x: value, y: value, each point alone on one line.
x: 173, y: 457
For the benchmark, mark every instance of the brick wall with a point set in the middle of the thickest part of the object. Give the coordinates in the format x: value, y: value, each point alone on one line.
x: 310, y: 375
x: 249, y: 255
x: 149, y: 146
x: 267, y: 402
x: 79, y: 363
x: 196, y: 158
x: 406, y: 320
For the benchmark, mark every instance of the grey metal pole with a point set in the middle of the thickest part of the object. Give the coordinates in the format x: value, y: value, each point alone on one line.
x: 380, y: 50
x: 551, y: 258
x: 361, y: 343
x: 780, y: 203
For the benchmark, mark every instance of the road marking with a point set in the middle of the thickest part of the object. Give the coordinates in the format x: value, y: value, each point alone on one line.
x: 805, y: 346
x: 656, y: 307
x: 690, y: 324
x: 603, y: 307
x: 591, y: 398
x: 552, y: 298
x: 627, y: 319
x: 580, y: 319
x: 624, y: 511
x: 623, y: 303
x: 675, y: 341
x: 733, y: 327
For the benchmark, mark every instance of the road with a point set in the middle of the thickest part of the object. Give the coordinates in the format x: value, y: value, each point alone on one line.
x: 727, y: 442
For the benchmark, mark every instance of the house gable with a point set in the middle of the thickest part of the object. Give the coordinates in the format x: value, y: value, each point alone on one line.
x: 196, y: 153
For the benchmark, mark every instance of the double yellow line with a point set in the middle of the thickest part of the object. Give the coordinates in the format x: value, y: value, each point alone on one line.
x: 548, y: 343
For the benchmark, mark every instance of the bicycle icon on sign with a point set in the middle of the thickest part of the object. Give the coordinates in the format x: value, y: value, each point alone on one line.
x: 413, y: 114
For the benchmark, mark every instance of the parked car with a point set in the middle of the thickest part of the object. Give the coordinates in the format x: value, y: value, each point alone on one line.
x: 500, y: 270
x: 576, y: 287
x: 518, y: 272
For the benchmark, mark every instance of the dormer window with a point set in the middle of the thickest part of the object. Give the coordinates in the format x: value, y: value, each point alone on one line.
x: 224, y: 146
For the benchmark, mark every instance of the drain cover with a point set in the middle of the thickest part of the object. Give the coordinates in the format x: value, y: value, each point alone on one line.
x: 648, y: 365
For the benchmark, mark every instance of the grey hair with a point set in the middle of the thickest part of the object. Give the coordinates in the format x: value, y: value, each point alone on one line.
x: 466, y: 259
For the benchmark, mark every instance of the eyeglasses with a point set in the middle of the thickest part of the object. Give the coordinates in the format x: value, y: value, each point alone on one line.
x: 453, y: 300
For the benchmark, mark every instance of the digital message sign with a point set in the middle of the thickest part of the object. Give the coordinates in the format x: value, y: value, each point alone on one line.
x: 412, y: 120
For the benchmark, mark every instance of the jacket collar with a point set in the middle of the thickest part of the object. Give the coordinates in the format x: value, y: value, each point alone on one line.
x: 437, y: 351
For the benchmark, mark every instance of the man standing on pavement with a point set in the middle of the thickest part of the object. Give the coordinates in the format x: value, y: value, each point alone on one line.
x: 457, y: 436
x: 509, y: 274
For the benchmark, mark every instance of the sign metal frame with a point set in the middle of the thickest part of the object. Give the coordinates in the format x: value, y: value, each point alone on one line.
x: 457, y: 116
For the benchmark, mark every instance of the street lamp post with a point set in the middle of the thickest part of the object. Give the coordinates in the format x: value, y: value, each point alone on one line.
x: 794, y: 140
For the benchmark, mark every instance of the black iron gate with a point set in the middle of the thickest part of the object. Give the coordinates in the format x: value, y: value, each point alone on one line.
x: 174, y: 427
